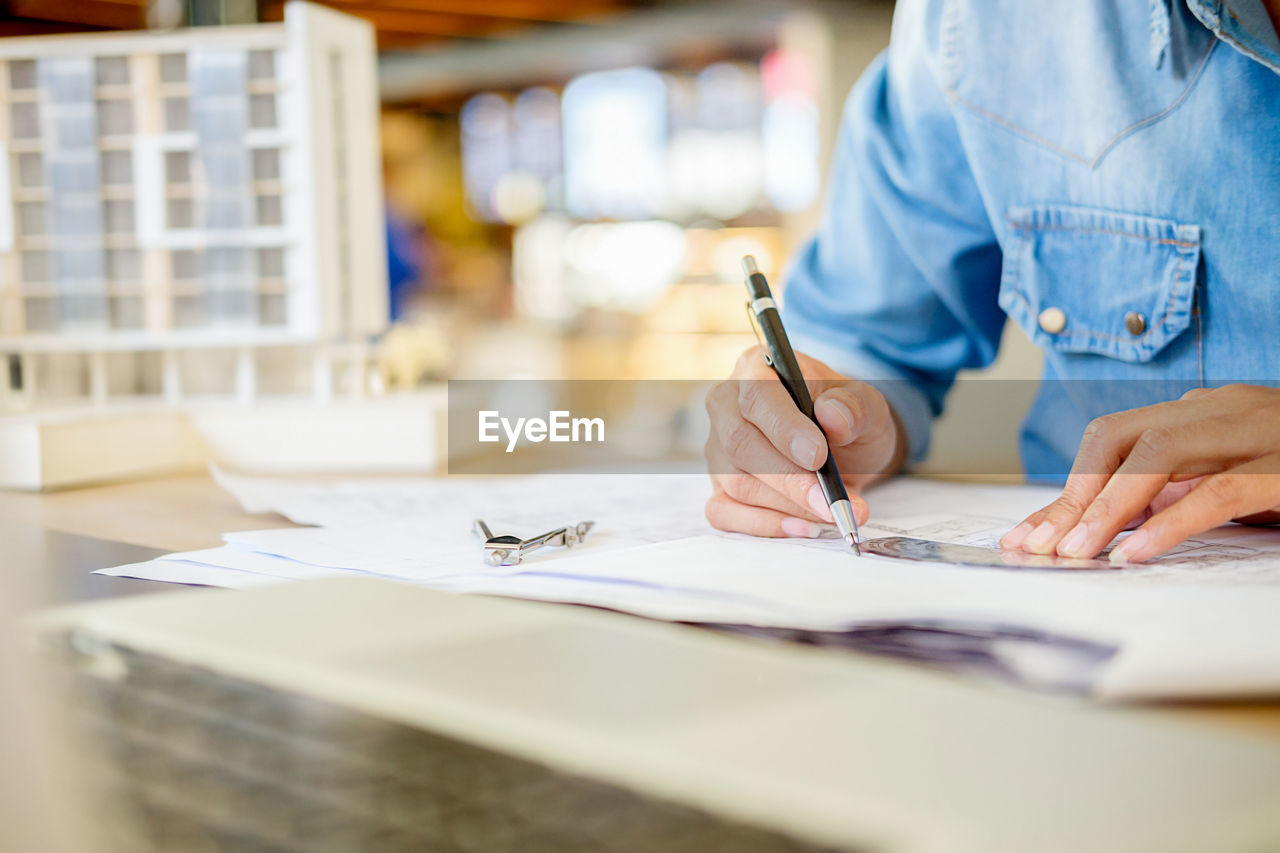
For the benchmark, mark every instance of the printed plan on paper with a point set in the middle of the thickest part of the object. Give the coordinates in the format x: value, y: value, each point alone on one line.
x: 1202, y: 621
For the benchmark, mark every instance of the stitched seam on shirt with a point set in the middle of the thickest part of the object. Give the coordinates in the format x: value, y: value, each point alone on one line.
x: 1105, y: 336
x: 1013, y: 128
x: 1164, y: 241
x: 1158, y: 324
x: 1115, y: 140
x: 1195, y: 309
x: 1168, y: 299
x: 1136, y: 126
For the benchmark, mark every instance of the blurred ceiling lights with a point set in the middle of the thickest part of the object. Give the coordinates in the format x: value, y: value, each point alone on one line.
x: 437, y: 50
x: 401, y: 24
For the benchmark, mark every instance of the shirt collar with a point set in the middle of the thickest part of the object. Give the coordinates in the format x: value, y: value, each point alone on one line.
x: 1243, y: 24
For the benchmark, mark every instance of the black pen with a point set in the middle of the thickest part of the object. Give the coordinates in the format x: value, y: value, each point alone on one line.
x: 782, y: 358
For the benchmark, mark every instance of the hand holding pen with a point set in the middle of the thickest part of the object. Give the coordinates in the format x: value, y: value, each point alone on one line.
x: 763, y: 452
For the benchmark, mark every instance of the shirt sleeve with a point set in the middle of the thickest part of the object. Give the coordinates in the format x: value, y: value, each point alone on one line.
x: 899, y: 285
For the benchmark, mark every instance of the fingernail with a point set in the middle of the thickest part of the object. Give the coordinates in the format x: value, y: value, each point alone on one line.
x: 1075, y: 542
x: 1129, y: 550
x: 804, y: 451
x: 800, y: 528
x: 1016, y: 536
x: 818, y: 503
x: 839, y: 411
x: 1040, y: 536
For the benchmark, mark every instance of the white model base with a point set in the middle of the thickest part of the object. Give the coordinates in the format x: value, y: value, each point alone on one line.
x: 56, y: 450
x: 396, y: 433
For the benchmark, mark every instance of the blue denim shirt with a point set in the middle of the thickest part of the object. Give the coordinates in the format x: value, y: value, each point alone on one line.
x: 1105, y: 173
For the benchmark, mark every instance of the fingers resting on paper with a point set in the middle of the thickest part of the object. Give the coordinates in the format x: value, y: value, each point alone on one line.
x: 1171, y: 470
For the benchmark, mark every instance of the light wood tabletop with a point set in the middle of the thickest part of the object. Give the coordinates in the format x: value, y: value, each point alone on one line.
x: 190, y: 511
x: 179, y: 513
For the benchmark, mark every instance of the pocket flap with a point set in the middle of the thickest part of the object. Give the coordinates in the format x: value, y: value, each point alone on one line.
x: 1082, y: 280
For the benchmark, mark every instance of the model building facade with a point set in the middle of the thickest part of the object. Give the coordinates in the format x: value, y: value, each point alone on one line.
x: 198, y: 190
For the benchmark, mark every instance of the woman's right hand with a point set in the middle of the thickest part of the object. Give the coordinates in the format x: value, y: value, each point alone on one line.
x: 762, y: 452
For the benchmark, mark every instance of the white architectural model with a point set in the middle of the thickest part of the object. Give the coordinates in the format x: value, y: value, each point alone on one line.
x: 192, y: 195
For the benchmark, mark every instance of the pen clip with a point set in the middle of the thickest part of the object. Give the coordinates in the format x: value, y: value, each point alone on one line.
x: 755, y: 328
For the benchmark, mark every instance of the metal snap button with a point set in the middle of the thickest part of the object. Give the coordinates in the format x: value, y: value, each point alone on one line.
x: 1135, y: 322
x: 1053, y: 320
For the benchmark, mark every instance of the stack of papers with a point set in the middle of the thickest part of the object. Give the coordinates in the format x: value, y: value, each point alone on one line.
x: 1200, y: 622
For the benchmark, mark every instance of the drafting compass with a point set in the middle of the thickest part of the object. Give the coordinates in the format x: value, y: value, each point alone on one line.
x: 510, y: 550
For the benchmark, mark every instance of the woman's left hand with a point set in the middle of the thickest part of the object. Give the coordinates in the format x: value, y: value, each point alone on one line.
x: 1177, y: 469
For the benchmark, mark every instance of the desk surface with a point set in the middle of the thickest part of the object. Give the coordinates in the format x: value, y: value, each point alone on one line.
x: 189, y: 512
x: 181, y: 513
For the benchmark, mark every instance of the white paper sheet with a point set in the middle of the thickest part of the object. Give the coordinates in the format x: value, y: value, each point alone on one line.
x: 637, y: 507
x: 407, y: 550
x: 1173, y: 640
x: 195, y: 574
x: 1203, y: 621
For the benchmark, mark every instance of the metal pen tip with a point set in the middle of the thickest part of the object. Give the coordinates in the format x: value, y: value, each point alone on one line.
x: 749, y: 265
x: 842, y: 512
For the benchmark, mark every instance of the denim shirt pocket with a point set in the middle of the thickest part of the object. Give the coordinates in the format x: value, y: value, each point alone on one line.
x: 1082, y: 280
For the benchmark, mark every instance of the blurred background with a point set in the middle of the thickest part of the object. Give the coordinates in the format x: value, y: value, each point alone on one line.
x: 569, y: 187
x: 570, y: 183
